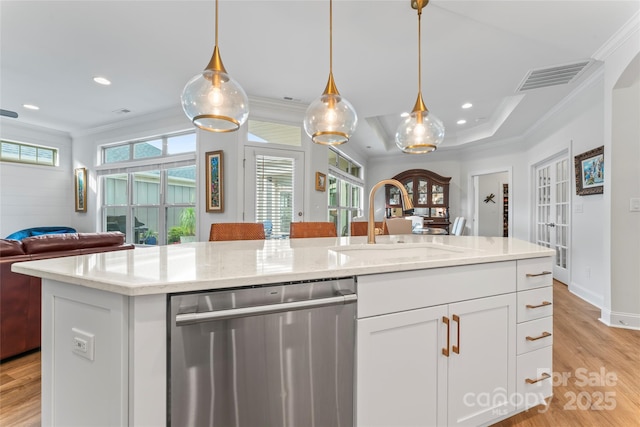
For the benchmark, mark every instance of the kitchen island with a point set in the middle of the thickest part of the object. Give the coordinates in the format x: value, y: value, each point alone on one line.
x: 105, y: 317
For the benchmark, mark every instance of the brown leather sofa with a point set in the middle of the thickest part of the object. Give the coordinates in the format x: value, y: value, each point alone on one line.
x: 20, y: 295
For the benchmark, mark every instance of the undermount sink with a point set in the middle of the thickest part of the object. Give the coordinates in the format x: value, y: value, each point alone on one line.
x: 398, y: 249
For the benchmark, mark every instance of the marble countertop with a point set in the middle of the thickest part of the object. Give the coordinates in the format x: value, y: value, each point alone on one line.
x: 215, y: 265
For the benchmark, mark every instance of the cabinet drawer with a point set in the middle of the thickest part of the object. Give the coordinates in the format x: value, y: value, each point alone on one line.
x: 407, y: 290
x: 534, y: 334
x: 535, y: 304
x: 534, y: 273
x: 534, y: 377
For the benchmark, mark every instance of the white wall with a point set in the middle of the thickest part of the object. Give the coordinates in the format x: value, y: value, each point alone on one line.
x: 625, y: 267
x: 490, y: 213
x: 625, y: 179
x: 574, y: 129
x: 32, y: 195
x: 621, y: 303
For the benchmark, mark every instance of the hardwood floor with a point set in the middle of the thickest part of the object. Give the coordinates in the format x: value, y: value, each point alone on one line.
x: 603, y: 388
x: 601, y: 366
x: 20, y: 391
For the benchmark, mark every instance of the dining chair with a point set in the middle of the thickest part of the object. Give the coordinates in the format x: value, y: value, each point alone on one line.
x: 312, y: 229
x: 452, y: 231
x: 397, y: 226
x: 359, y: 228
x: 459, y: 228
x: 236, y: 231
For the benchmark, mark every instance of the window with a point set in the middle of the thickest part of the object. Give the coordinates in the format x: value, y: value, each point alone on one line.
x: 345, y: 189
x: 152, y: 203
x: 19, y: 152
x: 274, y: 133
x: 163, y: 146
x: 274, y: 194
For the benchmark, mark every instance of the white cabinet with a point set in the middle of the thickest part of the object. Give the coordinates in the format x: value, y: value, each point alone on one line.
x: 535, y: 332
x: 401, y: 373
x: 453, y: 363
x: 482, y: 361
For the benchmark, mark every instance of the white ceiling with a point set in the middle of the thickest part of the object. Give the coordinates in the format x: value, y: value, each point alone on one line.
x: 473, y: 51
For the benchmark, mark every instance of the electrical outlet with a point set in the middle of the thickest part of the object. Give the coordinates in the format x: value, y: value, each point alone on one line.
x: 82, y: 343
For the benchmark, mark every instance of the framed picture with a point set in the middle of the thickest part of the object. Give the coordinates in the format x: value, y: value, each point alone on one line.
x: 321, y: 181
x: 590, y: 172
x: 80, y: 178
x: 215, y: 181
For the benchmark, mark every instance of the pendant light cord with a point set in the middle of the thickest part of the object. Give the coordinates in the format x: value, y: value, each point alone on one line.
x: 216, y: 23
x: 330, y: 36
x: 419, y: 51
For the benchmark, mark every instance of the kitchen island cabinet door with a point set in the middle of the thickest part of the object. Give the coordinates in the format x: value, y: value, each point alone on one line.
x: 482, y: 362
x: 401, y: 374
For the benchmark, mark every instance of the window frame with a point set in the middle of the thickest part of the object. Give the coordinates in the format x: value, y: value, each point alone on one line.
x: 130, y: 167
x: 352, y: 181
x: 55, y: 157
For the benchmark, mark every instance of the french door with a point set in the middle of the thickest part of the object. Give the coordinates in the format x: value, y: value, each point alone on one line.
x: 274, y: 185
x: 552, y: 212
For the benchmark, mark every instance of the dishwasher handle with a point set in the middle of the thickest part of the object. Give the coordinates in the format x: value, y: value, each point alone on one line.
x: 344, y: 297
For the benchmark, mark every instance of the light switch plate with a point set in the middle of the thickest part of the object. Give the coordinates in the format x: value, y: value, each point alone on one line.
x: 634, y: 204
x: 577, y: 208
x: 82, y: 343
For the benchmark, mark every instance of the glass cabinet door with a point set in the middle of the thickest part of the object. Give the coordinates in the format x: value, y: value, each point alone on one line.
x: 394, y: 196
x: 437, y: 194
x: 423, y: 192
x: 409, y: 187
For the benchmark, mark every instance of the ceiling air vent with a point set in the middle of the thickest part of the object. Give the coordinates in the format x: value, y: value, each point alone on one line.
x: 552, y: 76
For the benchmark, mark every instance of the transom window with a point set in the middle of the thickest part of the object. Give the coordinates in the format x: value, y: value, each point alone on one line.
x: 19, y: 152
x: 274, y: 133
x: 163, y: 146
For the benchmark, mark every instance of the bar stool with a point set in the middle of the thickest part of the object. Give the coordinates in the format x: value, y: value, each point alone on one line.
x: 312, y: 229
x: 359, y: 228
x: 236, y: 231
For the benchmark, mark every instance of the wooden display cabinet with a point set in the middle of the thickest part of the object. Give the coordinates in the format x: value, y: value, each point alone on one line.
x: 429, y: 193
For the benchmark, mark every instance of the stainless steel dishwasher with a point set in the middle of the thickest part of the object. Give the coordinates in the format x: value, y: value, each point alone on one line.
x: 279, y: 355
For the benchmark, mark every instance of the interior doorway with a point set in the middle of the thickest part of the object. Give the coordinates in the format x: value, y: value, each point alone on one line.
x: 490, y: 210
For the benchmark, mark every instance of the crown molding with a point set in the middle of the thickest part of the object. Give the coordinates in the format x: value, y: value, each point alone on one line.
x: 625, y: 32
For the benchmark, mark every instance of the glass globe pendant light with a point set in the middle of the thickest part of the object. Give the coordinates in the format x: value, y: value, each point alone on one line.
x: 421, y: 132
x: 330, y: 119
x: 214, y: 101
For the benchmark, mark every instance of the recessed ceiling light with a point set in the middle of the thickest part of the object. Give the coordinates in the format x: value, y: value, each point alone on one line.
x: 102, y: 81
x: 467, y: 105
x: 31, y: 107
x: 461, y: 121
x: 405, y: 114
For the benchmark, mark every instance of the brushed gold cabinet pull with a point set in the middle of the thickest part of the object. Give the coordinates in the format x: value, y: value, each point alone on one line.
x: 544, y: 273
x: 544, y: 376
x: 544, y: 335
x: 456, y: 348
x: 544, y: 303
x: 445, y: 351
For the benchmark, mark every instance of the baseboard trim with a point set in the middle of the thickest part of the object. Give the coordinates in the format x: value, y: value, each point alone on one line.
x: 586, y: 295
x: 620, y: 320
